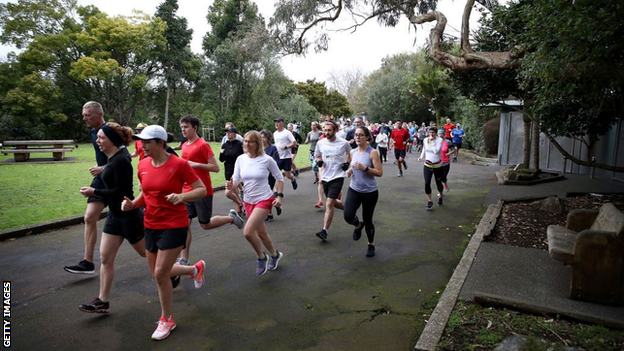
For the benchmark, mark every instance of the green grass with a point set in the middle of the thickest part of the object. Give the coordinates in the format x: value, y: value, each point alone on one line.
x: 37, y: 193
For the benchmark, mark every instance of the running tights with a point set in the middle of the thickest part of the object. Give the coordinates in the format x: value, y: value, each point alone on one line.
x: 429, y: 172
x: 368, y: 201
x: 383, y: 153
x: 445, y: 171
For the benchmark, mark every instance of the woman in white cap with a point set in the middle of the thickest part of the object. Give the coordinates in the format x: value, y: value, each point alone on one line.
x: 162, y: 176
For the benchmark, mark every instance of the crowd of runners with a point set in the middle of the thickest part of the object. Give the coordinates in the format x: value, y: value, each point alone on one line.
x: 174, y: 190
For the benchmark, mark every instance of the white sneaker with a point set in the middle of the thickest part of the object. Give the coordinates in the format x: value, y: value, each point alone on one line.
x: 236, y: 219
x: 165, y: 326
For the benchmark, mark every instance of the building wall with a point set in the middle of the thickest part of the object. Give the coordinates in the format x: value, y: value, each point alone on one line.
x: 608, y: 150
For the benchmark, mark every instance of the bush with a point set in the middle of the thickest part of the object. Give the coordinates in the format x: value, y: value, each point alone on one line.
x: 490, y: 135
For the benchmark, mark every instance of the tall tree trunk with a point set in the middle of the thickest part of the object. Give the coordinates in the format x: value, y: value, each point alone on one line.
x: 526, y: 138
x: 536, y: 141
x: 167, y: 106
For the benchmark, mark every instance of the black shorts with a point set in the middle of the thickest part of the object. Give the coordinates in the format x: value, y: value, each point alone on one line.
x: 399, y: 153
x: 294, y: 150
x: 97, y: 183
x: 165, y: 239
x: 457, y: 145
x: 333, y: 188
x: 285, y: 164
x: 202, y: 209
x: 130, y: 227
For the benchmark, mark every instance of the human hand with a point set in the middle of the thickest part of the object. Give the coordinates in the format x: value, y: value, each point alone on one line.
x: 87, y: 191
x: 126, y: 204
x: 175, y: 199
x: 95, y: 170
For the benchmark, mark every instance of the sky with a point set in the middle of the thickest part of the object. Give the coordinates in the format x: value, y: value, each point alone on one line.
x: 364, y: 49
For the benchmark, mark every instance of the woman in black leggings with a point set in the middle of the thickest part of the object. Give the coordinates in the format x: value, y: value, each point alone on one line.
x: 365, y: 166
x: 432, y: 154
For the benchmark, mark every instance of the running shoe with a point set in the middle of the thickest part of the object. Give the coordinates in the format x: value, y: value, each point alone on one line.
x: 83, y: 267
x: 268, y: 219
x: 315, y: 182
x: 165, y: 326
x: 429, y: 206
x: 182, y: 261
x: 278, y: 210
x: 400, y: 175
x: 262, y: 264
x: 440, y: 202
x: 454, y: 159
x: 357, y: 233
x: 322, y: 235
x: 296, y: 173
x: 319, y: 204
x: 370, y: 252
x: 405, y: 165
x: 446, y: 187
x: 236, y: 219
x: 175, y: 281
x: 198, y: 278
x: 294, y: 184
x: 273, y: 261
x: 95, y: 306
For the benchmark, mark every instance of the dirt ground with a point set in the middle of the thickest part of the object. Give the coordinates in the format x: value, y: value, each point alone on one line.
x: 523, y: 224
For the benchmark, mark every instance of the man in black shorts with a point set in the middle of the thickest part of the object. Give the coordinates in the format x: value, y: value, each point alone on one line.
x: 93, y: 116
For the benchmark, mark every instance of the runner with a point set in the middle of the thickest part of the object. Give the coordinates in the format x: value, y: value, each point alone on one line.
x: 382, y: 145
x: 200, y: 157
x: 284, y: 141
x: 230, y: 150
x: 270, y: 150
x: 119, y: 225
x: 365, y: 166
x: 138, y: 149
x: 447, y: 149
x: 431, y: 153
x: 458, y: 139
x: 295, y: 149
x: 252, y: 170
x: 448, y: 128
x: 312, y: 138
x: 398, y: 139
x: 162, y: 178
x: 332, y: 155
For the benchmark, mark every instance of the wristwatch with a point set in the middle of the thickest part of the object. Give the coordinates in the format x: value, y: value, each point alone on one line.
x: 280, y: 195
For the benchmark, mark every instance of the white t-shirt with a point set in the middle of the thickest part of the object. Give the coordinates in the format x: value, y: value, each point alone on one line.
x: 333, y: 154
x: 254, y: 173
x: 283, y: 139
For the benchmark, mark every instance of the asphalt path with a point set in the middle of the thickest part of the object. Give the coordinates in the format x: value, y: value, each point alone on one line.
x: 323, y: 296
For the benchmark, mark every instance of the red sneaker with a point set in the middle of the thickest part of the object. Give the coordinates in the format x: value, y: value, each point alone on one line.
x: 319, y: 204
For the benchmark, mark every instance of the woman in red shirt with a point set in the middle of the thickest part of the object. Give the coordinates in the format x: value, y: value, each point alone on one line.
x: 162, y: 176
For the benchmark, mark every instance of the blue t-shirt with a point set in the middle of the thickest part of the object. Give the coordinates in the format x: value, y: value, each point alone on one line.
x: 456, y: 135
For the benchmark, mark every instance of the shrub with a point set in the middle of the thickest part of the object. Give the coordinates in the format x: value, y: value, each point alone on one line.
x: 490, y: 135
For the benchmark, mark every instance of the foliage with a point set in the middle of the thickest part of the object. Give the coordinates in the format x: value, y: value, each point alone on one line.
x: 295, y: 20
x: 325, y: 102
x: 472, y: 119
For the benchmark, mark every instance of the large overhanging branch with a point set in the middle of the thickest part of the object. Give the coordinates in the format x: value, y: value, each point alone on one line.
x: 469, y: 59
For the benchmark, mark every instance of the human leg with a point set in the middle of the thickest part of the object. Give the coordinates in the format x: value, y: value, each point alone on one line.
x: 109, y: 246
x: 91, y: 217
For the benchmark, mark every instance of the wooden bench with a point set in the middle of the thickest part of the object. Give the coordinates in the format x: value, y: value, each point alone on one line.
x: 592, y: 243
x: 21, y: 149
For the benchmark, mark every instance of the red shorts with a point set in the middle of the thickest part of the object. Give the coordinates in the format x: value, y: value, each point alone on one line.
x: 265, y: 204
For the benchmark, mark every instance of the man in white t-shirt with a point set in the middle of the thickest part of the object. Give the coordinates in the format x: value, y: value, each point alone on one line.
x: 284, y: 141
x: 333, y: 155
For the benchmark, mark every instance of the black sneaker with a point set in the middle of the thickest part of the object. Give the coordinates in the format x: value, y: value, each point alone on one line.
x: 268, y: 219
x: 357, y: 233
x: 429, y: 206
x: 405, y: 165
x: 83, y: 267
x: 294, y: 184
x: 322, y: 235
x: 278, y: 210
x: 175, y: 281
x: 440, y: 202
x: 370, y: 252
x: 95, y: 306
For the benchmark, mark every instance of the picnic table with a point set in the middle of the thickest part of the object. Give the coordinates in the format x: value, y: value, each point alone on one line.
x: 21, y: 149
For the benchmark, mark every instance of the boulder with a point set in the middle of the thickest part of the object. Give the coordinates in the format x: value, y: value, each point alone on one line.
x: 553, y: 204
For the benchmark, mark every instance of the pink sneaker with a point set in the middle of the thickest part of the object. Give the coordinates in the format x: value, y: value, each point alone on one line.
x: 165, y: 326
x: 319, y: 204
x: 199, y: 277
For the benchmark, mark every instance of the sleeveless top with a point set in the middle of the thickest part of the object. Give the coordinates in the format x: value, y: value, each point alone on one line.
x: 361, y: 181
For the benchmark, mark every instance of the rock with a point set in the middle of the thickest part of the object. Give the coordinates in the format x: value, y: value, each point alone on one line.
x: 553, y: 205
x: 520, y: 342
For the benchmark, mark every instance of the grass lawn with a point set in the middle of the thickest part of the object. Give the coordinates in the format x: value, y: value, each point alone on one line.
x: 36, y: 193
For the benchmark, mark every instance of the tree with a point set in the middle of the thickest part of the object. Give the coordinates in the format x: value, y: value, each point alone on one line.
x: 176, y: 57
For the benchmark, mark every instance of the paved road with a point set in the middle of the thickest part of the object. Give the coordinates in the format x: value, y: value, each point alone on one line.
x: 324, y: 296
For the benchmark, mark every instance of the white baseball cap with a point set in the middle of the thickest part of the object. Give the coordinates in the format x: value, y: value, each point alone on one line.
x: 152, y: 132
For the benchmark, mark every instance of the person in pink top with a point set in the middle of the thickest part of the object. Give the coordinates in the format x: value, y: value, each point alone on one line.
x: 447, y: 149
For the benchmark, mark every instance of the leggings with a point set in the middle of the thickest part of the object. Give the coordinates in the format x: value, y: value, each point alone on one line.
x: 383, y: 153
x: 368, y: 201
x: 445, y: 171
x: 428, y: 172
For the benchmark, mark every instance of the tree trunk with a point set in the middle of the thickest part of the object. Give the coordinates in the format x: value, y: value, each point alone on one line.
x: 536, y: 142
x: 167, y: 107
x: 526, y: 138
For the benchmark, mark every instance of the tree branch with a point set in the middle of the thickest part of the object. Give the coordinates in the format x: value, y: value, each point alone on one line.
x: 318, y: 20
